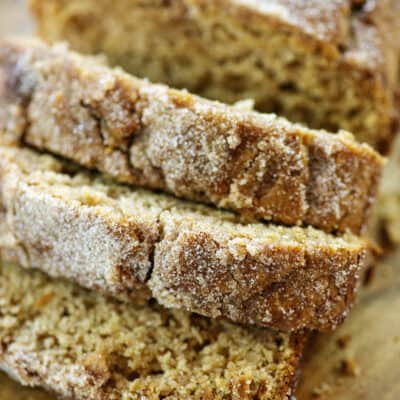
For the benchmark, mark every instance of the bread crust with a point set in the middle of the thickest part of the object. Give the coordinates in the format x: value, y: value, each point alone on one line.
x: 81, y: 345
x: 258, y: 165
x: 135, y: 244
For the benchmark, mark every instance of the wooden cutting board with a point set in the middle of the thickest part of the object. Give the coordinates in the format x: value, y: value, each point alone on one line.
x: 360, y: 361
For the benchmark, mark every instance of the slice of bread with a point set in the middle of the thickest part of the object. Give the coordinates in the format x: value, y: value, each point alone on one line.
x: 136, y: 244
x: 331, y: 64
x: 83, y: 346
x: 258, y: 165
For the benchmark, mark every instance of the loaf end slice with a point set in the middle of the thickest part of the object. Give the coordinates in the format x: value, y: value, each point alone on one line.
x: 83, y: 346
x: 258, y: 165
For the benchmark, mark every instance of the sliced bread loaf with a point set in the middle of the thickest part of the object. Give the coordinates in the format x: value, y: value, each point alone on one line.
x: 83, y: 346
x: 149, y: 135
x: 136, y: 244
x: 331, y: 64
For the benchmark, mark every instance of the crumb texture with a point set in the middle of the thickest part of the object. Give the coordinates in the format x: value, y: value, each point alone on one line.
x: 329, y: 64
x: 84, y: 346
x: 134, y: 244
x: 258, y: 165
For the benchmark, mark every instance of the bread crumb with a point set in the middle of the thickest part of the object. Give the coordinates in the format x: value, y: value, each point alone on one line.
x: 321, y: 390
x: 349, y: 367
x: 343, y: 341
x: 96, y: 364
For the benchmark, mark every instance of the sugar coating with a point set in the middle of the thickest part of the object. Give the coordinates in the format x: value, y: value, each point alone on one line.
x: 258, y: 165
x: 134, y: 244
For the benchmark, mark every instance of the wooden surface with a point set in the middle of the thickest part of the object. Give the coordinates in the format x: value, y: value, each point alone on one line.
x: 360, y: 361
x: 368, y: 366
x: 10, y: 390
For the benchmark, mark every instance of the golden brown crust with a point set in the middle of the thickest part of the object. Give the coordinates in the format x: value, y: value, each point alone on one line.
x: 196, y: 272
x: 258, y: 165
x: 55, y: 222
x: 233, y: 49
x: 132, y: 244
x: 84, y: 346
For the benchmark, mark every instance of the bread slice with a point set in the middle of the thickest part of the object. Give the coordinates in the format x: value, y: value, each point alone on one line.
x: 84, y: 346
x: 330, y: 64
x: 149, y: 135
x: 136, y: 244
